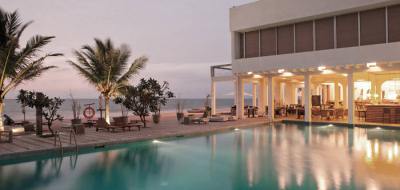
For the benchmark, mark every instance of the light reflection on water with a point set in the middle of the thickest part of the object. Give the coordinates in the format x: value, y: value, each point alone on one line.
x: 283, y: 156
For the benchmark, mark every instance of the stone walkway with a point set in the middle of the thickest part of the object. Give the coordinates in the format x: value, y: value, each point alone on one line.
x: 26, y: 145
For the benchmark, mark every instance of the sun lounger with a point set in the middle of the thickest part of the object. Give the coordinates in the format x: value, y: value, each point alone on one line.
x: 101, y: 124
x: 219, y: 118
x: 196, y: 110
x: 200, y: 120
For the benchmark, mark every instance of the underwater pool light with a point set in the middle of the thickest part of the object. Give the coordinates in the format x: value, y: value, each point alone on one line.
x: 156, y: 141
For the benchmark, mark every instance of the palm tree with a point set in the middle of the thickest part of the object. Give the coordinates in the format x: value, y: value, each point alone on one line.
x: 19, y: 63
x: 106, y: 67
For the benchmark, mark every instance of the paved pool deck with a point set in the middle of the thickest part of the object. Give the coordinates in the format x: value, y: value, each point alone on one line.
x: 29, y: 145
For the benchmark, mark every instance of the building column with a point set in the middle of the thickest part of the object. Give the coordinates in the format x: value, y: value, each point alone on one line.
x: 307, y: 98
x: 235, y: 95
x: 213, y: 98
x: 262, y: 98
x: 240, y: 98
x: 337, y: 94
x: 344, y: 84
x: 350, y: 98
x: 271, y: 109
x: 254, y: 94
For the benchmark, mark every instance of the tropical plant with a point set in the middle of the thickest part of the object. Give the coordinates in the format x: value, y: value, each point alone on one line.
x: 45, y: 107
x: 21, y: 98
x: 19, y: 63
x: 161, y: 94
x: 107, y: 68
x: 50, y: 111
x: 144, y: 98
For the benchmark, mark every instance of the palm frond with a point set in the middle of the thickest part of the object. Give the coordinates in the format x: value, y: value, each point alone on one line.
x: 105, y: 66
x: 134, y: 69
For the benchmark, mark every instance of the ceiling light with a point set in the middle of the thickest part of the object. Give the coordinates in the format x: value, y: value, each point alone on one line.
x: 287, y: 74
x: 371, y: 64
x: 257, y: 76
x: 281, y: 70
x: 327, y: 71
x: 321, y: 68
x: 250, y: 73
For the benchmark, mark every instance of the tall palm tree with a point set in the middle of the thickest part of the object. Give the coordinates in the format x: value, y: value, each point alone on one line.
x: 106, y: 67
x: 19, y: 63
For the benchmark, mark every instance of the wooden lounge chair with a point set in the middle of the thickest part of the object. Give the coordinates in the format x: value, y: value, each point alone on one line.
x: 101, y: 124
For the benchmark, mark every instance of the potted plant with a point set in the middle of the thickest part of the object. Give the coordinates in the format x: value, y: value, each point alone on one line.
x: 76, y: 111
x: 179, y: 109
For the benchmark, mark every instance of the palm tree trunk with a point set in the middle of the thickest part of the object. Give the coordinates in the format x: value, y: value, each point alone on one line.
x: 1, y: 115
x: 107, y: 112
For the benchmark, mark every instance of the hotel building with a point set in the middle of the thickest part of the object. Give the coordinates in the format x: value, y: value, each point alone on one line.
x: 316, y: 60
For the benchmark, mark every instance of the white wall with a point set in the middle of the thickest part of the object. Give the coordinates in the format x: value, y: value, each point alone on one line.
x: 265, y: 13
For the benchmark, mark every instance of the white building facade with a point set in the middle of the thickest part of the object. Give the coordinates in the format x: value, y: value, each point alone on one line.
x: 273, y: 40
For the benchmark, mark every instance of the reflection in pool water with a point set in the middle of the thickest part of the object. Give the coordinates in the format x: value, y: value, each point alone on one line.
x: 283, y: 156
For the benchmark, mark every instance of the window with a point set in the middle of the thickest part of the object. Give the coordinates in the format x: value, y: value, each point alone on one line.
x: 394, y: 23
x: 304, y: 36
x: 285, y: 39
x: 373, y: 27
x: 268, y: 42
x: 391, y: 90
x: 362, y: 90
x: 324, y: 34
x: 347, y: 30
x: 241, y: 45
x: 252, y: 44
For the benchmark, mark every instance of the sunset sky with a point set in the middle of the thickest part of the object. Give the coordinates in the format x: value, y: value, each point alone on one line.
x: 182, y: 38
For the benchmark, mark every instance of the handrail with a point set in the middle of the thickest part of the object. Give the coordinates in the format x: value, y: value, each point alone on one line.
x: 72, y: 133
x: 57, y: 134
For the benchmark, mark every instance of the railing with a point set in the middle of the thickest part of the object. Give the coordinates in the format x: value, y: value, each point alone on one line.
x: 57, y: 136
x: 73, y: 134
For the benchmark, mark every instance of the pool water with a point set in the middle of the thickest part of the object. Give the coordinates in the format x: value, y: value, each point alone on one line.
x: 281, y: 156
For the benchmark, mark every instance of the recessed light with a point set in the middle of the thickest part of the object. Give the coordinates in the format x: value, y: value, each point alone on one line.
x: 281, y: 70
x: 250, y: 73
x: 321, y: 68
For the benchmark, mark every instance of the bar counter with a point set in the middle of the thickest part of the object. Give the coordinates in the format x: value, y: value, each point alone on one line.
x: 375, y: 113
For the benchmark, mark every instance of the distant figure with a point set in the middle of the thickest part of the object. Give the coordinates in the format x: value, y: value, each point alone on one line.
x: 8, y: 120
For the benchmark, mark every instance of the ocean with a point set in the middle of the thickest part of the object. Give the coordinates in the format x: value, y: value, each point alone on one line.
x: 13, y: 108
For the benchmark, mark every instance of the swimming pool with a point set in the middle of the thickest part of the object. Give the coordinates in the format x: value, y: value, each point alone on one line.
x: 281, y: 156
